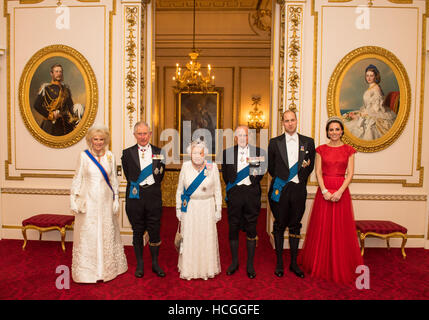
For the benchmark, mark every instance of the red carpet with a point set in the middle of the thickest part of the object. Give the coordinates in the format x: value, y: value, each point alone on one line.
x: 30, y: 274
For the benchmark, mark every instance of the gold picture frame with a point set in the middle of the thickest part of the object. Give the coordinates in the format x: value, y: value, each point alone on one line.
x: 370, y: 90
x: 79, y: 78
x: 204, y: 110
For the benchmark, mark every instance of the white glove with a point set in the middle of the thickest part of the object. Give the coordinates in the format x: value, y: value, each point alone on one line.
x: 218, y: 216
x: 116, y: 206
x: 179, y: 215
x: 73, y: 205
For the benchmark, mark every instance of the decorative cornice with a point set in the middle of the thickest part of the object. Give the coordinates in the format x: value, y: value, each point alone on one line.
x: 212, y: 5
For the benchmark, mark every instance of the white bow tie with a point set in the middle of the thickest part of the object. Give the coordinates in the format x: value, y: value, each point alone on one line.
x: 290, y: 138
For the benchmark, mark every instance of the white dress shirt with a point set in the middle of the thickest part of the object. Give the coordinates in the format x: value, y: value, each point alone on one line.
x: 292, y: 147
x: 242, y: 155
x: 145, y: 161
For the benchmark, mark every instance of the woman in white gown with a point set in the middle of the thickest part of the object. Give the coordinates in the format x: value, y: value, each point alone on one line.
x: 373, y: 120
x: 199, y: 253
x: 98, y: 253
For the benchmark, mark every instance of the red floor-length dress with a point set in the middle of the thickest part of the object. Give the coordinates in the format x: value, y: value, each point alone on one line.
x: 331, y: 250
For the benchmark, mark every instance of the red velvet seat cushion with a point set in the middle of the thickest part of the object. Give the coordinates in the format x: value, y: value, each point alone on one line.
x: 49, y: 220
x: 379, y: 226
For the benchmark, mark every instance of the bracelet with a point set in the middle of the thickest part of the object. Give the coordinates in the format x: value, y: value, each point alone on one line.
x: 324, y: 191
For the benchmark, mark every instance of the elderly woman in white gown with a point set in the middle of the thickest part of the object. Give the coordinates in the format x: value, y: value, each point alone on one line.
x: 98, y: 253
x: 373, y: 120
x: 199, y: 207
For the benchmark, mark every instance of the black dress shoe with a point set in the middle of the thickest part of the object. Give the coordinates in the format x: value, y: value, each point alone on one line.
x: 296, y: 271
x: 139, y: 273
x: 279, y: 273
x: 251, y: 275
x: 159, y: 272
x: 231, y: 270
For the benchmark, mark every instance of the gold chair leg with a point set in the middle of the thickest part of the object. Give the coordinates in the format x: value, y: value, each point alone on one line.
x: 40, y: 235
x: 388, y: 244
x: 362, y: 243
x: 404, y: 241
x: 63, y: 238
x: 24, y: 234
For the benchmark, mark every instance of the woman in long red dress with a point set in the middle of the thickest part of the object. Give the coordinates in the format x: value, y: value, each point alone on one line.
x: 331, y: 250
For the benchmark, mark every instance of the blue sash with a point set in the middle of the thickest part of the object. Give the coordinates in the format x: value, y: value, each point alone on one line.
x: 103, y: 172
x: 134, y: 186
x: 187, y: 193
x: 280, y: 183
x: 242, y: 174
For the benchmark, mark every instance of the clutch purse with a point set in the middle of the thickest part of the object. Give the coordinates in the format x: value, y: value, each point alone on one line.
x: 178, y: 239
x: 81, y: 204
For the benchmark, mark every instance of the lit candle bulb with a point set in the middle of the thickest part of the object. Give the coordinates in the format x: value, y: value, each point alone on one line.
x: 213, y: 80
x: 177, y: 69
x: 209, y: 69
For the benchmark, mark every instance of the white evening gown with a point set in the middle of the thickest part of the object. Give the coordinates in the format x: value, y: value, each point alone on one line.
x: 98, y: 253
x: 375, y: 119
x: 199, y: 255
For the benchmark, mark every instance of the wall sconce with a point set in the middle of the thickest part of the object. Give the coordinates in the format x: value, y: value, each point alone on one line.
x: 2, y: 51
x: 256, y: 118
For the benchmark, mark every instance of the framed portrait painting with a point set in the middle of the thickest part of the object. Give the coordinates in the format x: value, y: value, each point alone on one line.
x: 198, y: 116
x: 58, y: 96
x: 370, y: 90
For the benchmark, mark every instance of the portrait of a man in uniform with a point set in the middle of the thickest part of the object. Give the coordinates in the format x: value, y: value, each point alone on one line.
x: 57, y: 113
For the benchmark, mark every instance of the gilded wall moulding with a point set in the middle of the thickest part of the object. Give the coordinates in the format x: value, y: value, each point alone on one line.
x: 49, y: 111
x: 281, y: 75
x: 34, y: 191
x: 261, y: 18
x: 206, y: 5
x: 131, y: 49
x: 294, y: 55
x: 370, y: 90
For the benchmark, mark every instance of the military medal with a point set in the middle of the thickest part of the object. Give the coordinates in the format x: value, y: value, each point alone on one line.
x: 134, y: 191
x: 205, y: 172
x: 157, y: 157
x: 160, y: 170
x: 109, y: 158
x: 277, y: 192
x: 185, y: 203
x: 156, y: 171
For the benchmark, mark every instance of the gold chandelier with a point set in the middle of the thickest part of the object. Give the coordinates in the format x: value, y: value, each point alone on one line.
x: 192, y: 78
x: 256, y: 118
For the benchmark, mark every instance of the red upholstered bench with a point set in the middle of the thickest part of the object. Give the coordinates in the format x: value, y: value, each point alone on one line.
x: 48, y: 222
x: 381, y: 229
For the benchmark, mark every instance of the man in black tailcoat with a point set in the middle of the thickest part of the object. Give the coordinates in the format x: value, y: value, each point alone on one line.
x: 143, y: 198
x: 290, y: 162
x: 243, y: 194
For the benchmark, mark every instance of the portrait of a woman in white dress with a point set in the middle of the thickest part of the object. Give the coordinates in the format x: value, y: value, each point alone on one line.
x: 98, y: 252
x: 373, y: 120
x: 199, y: 252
